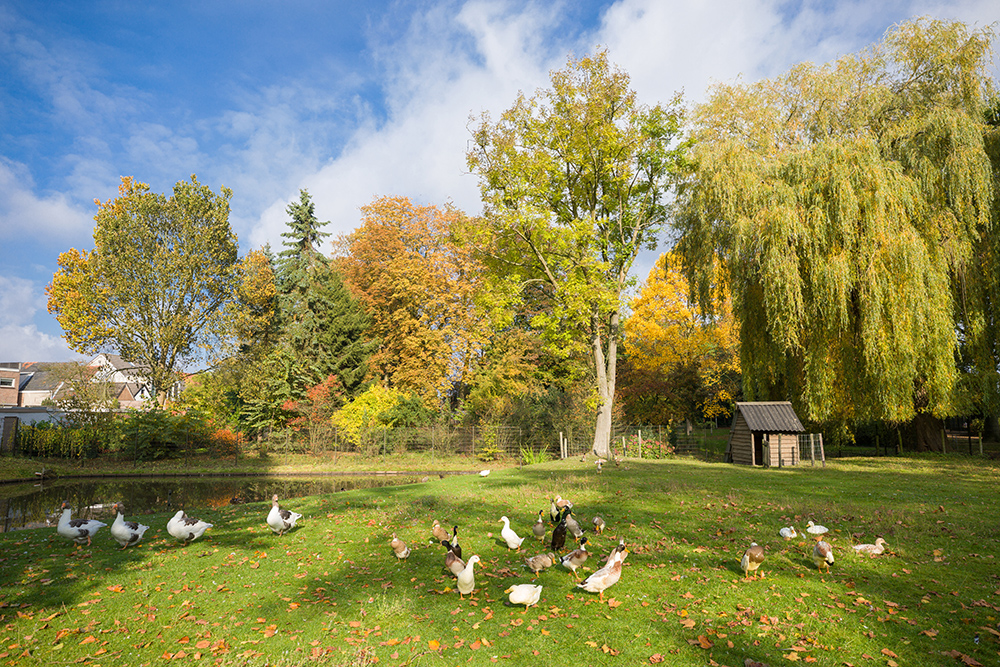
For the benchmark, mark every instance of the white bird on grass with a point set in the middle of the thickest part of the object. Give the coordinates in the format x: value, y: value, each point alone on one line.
x: 466, y: 579
x: 526, y: 594
x: 509, y: 536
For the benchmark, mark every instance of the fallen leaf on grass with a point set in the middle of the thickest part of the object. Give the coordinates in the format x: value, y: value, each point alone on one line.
x: 655, y: 658
x: 930, y: 633
x: 433, y: 644
x: 889, y: 654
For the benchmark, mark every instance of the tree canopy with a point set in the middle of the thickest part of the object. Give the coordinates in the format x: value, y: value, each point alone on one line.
x: 573, y: 182
x: 160, y: 273
x: 844, y: 203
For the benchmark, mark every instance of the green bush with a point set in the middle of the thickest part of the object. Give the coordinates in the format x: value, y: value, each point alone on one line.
x: 150, y: 435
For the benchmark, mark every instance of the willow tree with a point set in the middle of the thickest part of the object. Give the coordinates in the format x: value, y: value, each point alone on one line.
x: 573, y: 181
x: 845, y: 202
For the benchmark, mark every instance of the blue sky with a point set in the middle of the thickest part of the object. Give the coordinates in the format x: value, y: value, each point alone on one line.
x: 352, y: 100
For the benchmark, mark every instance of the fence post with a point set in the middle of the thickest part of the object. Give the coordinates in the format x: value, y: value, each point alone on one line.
x: 822, y: 454
x: 640, y: 443
x: 944, y: 444
x: 812, y: 449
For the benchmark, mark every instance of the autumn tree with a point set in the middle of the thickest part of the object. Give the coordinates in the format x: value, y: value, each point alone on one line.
x: 679, y: 362
x: 161, y: 271
x: 842, y: 205
x: 418, y: 287
x: 573, y: 182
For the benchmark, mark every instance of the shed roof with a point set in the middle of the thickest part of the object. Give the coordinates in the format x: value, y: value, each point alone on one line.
x: 771, y: 417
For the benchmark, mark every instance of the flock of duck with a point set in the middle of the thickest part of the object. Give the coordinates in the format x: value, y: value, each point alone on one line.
x: 182, y: 527
x: 528, y: 594
x: 822, y: 553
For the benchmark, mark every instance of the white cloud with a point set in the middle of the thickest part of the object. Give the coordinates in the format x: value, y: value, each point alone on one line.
x: 50, y: 219
x: 20, y: 339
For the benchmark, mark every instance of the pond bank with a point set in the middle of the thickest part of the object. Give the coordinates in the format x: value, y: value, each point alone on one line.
x: 172, y: 475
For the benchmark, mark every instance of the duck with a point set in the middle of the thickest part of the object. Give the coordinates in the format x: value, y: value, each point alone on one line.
x: 79, y: 530
x: 439, y: 532
x: 607, y: 576
x: 559, y: 533
x: 509, y: 536
x: 614, y: 552
x: 558, y: 504
x: 576, y: 558
x: 185, y: 528
x: 281, y: 520
x: 871, y: 549
x: 126, y: 532
x: 455, y: 546
x: 538, y: 529
x: 452, y: 561
x: 599, y: 525
x: 815, y: 529
x: 526, y: 594
x: 752, y: 558
x: 788, y: 533
x: 399, y: 547
x: 823, y: 554
x: 572, y: 524
x: 466, y: 580
x: 484, y: 473
x: 538, y: 563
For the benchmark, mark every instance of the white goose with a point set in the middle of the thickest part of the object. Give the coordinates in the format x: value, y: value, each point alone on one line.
x: 509, y: 536
x: 79, y: 530
x: 281, y: 520
x: 126, y: 532
x: 185, y: 528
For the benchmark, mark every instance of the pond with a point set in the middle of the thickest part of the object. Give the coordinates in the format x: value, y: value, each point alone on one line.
x: 33, y: 506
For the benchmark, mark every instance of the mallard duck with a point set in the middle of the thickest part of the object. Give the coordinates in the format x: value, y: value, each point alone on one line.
x: 538, y: 563
x: 466, y: 580
x: 814, y: 529
x: 557, y: 506
x: 126, y: 532
x: 823, y: 554
x: 399, y: 547
x: 788, y: 533
x: 439, y: 532
x: 526, y: 594
x: 576, y: 558
x: 509, y: 536
x: 599, y: 525
x: 871, y: 549
x: 559, y: 533
x: 752, y: 558
x: 607, y: 576
x: 79, y: 530
x: 572, y: 525
x: 452, y: 561
x: 455, y: 546
x: 281, y: 520
x: 186, y: 529
x: 538, y: 530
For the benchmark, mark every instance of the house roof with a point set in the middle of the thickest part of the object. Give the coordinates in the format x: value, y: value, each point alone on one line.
x: 771, y: 417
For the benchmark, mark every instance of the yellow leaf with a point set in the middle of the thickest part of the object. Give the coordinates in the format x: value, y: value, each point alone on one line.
x: 433, y: 644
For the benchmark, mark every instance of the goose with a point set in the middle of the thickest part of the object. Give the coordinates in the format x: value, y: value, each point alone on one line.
x: 559, y: 533
x: 752, y: 558
x: 538, y: 530
x: 399, y: 547
x: 823, y: 554
x: 538, y: 563
x: 281, y: 520
x: 526, y: 594
x: 452, y: 561
x: 788, y: 533
x: 576, y: 558
x: 126, y: 532
x: 186, y: 529
x: 572, y: 525
x: 815, y: 529
x: 440, y: 534
x: 599, y: 525
x: 79, y: 530
x: 871, y: 549
x: 466, y: 580
x: 607, y: 576
x: 509, y: 536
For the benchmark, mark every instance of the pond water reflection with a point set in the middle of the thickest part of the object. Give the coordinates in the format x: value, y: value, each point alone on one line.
x: 29, y: 506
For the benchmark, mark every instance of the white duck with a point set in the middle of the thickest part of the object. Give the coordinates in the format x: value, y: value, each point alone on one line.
x: 126, y: 532
x: 185, y: 528
x: 466, y: 580
x: 823, y: 555
x: 509, y: 536
x: 281, y: 520
x: 788, y: 533
x: 815, y: 529
x: 526, y: 594
x: 871, y: 549
x: 79, y: 530
x: 607, y: 576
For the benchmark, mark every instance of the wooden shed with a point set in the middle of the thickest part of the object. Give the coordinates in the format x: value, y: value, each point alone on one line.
x: 764, y: 433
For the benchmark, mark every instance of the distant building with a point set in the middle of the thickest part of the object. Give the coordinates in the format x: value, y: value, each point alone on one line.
x: 764, y: 433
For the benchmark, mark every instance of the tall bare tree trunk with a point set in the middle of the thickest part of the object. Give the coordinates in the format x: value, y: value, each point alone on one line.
x: 605, y: 365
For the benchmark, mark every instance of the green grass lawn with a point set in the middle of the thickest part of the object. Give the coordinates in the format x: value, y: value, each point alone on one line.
x: 332, y: 592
